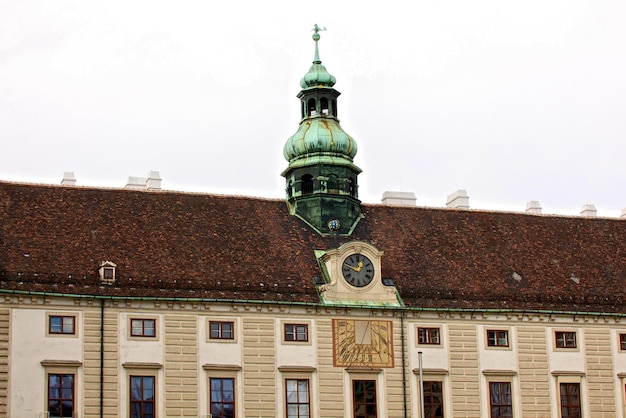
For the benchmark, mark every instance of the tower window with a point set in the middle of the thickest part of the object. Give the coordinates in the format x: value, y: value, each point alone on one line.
x: 312, y: 111
x: 307, y: 184
x: 324, y: 105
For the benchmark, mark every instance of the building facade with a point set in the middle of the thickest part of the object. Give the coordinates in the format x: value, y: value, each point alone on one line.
x: 151, y: 303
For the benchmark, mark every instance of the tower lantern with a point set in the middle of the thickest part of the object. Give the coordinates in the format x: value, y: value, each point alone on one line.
x: 321, y: 178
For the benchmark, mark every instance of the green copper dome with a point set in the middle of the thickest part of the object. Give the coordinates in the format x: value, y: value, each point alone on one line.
x: 319, y: 133
x: 317, y: 136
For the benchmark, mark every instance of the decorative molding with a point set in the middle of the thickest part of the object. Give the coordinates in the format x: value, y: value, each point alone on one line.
x: 297, y: 369
x: 140, y: 365
x: 567, y: 373
x: 364, y: 369
x: 61, y: 363
x: 222, y: 367
x: 489, y: 372
x: 438, y: 372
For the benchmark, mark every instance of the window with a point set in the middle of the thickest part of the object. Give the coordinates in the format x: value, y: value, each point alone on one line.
x: 307, y: 184
x: 428, y: 336
x: 61, y: 395
x: 500, y: 400
x: 142, y: 396
x: 296, y: 332
x: 221, y: 330
x: 62, y: 324
x: 570, y: 400
x: 222, y: 397
x: 142, y: 327
x: 497, y: 338
x: 565, y: 339
x: 298, y: 403
x: 622, y: 342
x: 433, y: 399
x: 364, y: 398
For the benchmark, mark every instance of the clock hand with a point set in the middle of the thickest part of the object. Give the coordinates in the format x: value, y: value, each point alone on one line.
x: 357, y: 269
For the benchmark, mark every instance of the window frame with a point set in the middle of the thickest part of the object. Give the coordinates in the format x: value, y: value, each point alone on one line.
x: 142, y: 334
x: 500, y: 405
x: 565, y: 345
x: 50, y: 316
x: 233, y: 403
x: 220, y: 330
x: 356, y: 405
x: 621, y: 341
x: 431, y: 404
x: 427, y: 332
x: 61, y: 397
x: 142, y: 401
x: 569, y: 406
x: 297, y: 403
x: 295, y: 332
x: 495, y: 341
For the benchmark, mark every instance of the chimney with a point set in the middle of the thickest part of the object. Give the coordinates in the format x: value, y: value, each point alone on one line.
x: 533, y: 207
x: 588, y: 210
x: 458, y: 200
x: 399, y: 198
x: 68, y: 179
x: 154, y: 181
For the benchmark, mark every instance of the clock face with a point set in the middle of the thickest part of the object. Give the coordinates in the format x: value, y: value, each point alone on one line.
x: 362, y: 343
x: 358, y: 270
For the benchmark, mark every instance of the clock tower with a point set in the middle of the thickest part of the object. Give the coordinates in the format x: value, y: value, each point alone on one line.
x: 321, y: 178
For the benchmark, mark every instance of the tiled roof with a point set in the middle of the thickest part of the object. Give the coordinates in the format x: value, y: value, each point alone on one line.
x: 184, y: 245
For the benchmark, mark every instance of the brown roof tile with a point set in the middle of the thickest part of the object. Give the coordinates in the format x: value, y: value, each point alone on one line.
x: 172, y: 244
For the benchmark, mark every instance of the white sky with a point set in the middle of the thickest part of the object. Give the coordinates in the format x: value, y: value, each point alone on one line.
x: 511, y: 100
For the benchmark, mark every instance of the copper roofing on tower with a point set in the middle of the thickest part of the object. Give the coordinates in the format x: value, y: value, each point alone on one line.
x: 184, y: 245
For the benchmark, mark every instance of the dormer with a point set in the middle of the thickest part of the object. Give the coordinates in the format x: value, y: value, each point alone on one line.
x: 107, y: 272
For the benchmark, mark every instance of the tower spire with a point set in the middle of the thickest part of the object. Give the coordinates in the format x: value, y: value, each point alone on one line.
x: 321, y: 176
x: 316, y: 37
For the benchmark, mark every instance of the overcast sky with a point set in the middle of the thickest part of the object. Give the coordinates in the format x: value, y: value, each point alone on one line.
x: 510, y: 100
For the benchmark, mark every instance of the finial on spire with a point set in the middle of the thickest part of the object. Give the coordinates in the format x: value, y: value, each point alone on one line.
x: 316, y: 37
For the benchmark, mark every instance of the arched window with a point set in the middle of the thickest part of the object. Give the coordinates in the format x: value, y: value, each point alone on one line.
x: 324, y: 105
x: 307, y: 184
x: 312, y: 111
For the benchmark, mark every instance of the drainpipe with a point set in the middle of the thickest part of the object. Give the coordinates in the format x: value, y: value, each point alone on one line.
x: 403, y: 364
x: 101, y: 358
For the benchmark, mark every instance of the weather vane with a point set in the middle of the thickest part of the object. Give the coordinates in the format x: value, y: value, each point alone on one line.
x: 316, y: 29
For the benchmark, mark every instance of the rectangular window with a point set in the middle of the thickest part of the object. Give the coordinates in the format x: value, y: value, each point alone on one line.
x: 142, y: 392
x: 61, y: 324
x: 428, y: 336
x: 622, y: 342
x: 433, y: 399
x: 570, y: 400
x: 500, y: 400
x: 222, y: 397
x: 142, y: 327
x: 565, y: 339
x: 296, y: 332
x: 364, y: 398
x: 221, y: 330
x: 61, y: 395
x: 298, y: 401
x: 497, y: 338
